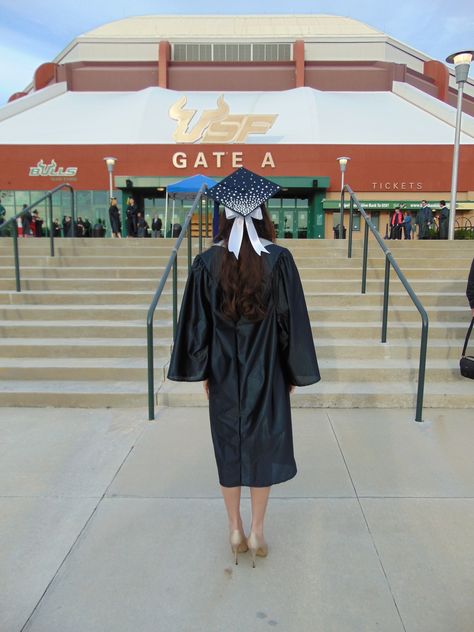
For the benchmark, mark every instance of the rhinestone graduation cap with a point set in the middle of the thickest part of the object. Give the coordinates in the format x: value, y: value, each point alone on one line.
x: 242, y: 193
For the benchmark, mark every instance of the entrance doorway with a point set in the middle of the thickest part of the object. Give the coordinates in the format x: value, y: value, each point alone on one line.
x: 290, y: 217
x: 297, y: 212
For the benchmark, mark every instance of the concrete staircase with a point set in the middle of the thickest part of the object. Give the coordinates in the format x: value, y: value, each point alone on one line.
x: 76, y: 335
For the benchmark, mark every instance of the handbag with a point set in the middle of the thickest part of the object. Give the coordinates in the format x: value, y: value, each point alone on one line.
x: 466, y: 363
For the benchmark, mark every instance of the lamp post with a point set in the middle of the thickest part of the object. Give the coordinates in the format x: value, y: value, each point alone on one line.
x: 461, y: 61
x: 343, y: 160
x: 110, y: 162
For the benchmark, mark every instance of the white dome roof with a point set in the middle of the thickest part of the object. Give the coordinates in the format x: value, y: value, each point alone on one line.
x: 232, y: 26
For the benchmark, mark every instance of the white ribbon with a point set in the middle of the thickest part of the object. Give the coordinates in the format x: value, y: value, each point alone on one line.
x: 237, y: 232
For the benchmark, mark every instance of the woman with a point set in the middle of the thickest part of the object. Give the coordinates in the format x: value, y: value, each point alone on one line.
x: 114, y: 216
x: 244, y: 330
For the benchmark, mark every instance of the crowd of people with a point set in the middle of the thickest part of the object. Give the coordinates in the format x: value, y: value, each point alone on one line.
x: 137, y: 226
x: 401, y: 222
x: 31, y: 224
x: 401, y: 225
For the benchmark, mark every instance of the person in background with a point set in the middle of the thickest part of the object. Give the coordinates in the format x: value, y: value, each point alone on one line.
x: 67, y: 226
x: 176, y: 230
x: 87, y: 227
x: 80, y: 227
x: 56, y: 228
x: 26, y: 222
x: 396, y: 223
x: 142, y: 226
x: 131, y: 214
x: 470, y: 288
x: 407, y: 224
x: 424, y: 220
x: 37, y: 224
x: 99, y: 229
x: 3, y: 213
x: 443, y: 220
x: 156, y: 225
x: 114, y: 217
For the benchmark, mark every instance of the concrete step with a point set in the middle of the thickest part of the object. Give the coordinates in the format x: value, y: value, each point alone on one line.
x: 324, y: 314
x: 152, y: 271
x: 349, y: 394
x: 62, y: 244
x: 94, y: 261
x: 134, y: 369
x: 369, y: 330
x: 83, y: 272
x: 80, y: 347
x: 313, y: 260
x: 322, y: 285
x: 74, y: 394
x: 313, y: 299
x: 77, y: 369
x: 123, y: 394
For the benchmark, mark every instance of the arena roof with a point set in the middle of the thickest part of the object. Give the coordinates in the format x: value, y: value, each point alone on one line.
x: 232, y: 26
x: 300, y: 116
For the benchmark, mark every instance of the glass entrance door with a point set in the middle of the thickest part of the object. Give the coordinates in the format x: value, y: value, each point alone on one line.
x: 289, y: 217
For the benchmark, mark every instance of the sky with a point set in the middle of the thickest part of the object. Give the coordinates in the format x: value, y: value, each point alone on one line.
x: 35, y: 31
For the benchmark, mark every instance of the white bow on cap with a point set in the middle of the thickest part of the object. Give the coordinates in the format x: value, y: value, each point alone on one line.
x: 237, y: 232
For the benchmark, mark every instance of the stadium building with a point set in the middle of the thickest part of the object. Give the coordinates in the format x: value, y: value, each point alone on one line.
x: 283, y: 95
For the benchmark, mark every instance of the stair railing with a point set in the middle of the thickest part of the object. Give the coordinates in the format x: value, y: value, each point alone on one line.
x: 13, y: 222
x: 172, y: 263
x: 389, y: 263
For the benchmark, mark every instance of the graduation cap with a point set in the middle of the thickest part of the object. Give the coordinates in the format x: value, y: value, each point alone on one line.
x: 242, y: 193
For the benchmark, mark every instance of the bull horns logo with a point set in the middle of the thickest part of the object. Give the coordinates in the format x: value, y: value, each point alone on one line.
x: 217, y: 126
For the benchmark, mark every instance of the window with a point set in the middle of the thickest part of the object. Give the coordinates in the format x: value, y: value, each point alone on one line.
x: 245, y: 52
x: 205, y: 52
x: 179, y: 52
x: 258, y: 52
x: 219, y: 52
x: 230, y: 51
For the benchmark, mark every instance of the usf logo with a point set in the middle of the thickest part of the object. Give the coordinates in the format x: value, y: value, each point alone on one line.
x: 217, y: 126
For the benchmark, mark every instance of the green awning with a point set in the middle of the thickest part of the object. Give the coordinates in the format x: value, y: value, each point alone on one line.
x: 286, y: 182
x: 387, y: 205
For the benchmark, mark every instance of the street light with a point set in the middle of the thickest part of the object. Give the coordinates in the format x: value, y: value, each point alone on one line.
x: 343, y: 160
x: 110, y: 162
x: 461, y: 61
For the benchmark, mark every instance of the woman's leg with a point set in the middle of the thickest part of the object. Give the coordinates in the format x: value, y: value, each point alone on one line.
x: 259, y: 497
x: 232, y: 504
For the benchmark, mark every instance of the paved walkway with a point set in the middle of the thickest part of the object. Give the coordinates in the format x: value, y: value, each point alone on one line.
x: 112, y: 523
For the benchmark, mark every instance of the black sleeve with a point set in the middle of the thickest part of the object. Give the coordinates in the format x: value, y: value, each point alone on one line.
x: 189, y: 359
x: 294, y: 327
x: 470, y: 286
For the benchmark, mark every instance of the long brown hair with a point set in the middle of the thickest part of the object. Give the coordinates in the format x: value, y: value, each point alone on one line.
x: 243, y: 281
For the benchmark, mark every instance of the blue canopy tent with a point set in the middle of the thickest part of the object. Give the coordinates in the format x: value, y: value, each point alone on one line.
x: 185, y: 189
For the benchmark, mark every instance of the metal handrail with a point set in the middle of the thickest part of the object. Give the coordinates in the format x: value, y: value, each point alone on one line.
x: 172, y: 263
x: 389, y: 261
x: 13, y: 222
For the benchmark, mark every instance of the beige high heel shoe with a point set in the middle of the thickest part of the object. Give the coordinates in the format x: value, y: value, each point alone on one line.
x: 257, y: 546
x: 238, y: 544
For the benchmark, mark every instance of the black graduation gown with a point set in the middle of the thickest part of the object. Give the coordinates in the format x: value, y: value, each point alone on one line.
x: 114, y: 216
x: 249, y: 367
